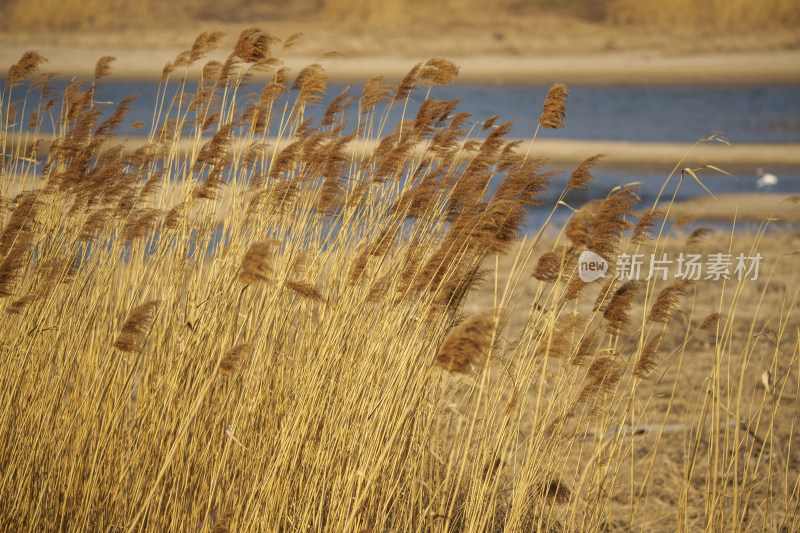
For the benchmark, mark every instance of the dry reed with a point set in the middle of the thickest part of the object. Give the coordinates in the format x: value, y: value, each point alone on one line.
x: 364, y: 381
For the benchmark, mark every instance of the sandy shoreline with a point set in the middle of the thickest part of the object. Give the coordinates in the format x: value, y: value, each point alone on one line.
x: 617, y: 153
x: 640, y: 67
x: 739, y: 207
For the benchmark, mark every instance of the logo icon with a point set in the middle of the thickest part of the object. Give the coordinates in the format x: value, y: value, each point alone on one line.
x: 591, y: 266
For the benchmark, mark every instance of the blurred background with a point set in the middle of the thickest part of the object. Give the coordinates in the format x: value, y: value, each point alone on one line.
x: 116, y: 14
x: 489, y: 26
x: 682, y: 69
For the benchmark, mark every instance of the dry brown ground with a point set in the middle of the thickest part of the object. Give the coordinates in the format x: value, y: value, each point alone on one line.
x: 527, y: 46
x: 667, y: 416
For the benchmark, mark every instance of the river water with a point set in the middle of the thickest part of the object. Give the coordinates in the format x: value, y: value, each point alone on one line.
x: 651, y: 114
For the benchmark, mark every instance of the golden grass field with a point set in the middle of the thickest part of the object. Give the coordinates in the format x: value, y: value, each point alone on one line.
x: 353, y: 333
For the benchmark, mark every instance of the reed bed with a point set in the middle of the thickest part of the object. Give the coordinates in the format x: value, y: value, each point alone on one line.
x: 284, y: 345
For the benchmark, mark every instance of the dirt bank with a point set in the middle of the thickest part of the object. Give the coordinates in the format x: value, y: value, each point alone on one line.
x: 525, y: 49
x: 617, y: 68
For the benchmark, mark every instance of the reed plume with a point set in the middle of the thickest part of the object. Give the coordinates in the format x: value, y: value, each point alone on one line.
x: 602, y: 376
x: 18, y: 306
x: 407, y: 84
x: 380, y: 288
x: 358, y: 267
x: 142, y: 156
x: 617, y: 311
x: 574, y: 288
x: 21, y: 223
x: 306, y: 290
x: 222, y: 523
x: 168, y: 69
x: 27, y: 65
x: 103, y: 67
x: 683, y: 220
x: 696, y: 236
x: 282, y: 195
x: 213, y: 183
x: 556, y: 264
x: 610, y: 223
x: 140, y: 223
x: 581, y: 225
x: 468, y: 344
x: 336, y: 108
x: 16, y: 241
x: 255, y: 152
x: 582, y: 176
x: 644, y: 225
x: 176, y: 215
x: 454, y: 289
x: 311, y: 82
x: 437, y: 71
x: 215, y: 151
x: 13, y: 264
x: 526, y: 182
x: 61, y: 270
x: 711, y: 321
x: 498, y: 226
x: 256, y: 264
x: 232, y: 358
x: 489, y: 123
x: 553, y: 490
x: 375, y: 92
x: 648, y: 359
x: 111, y: 124
x: 548, y: 268
x: 554, y: 110
x: 331, y: 197
x: 97, y: 221
x: 667, y: 300
x: 586, y: 346
x: 417, y: 202
x: 204, y: 43
x: 254, y: 45
x: 136, y: 328
x: 292, y: 41
x: 286, y: 160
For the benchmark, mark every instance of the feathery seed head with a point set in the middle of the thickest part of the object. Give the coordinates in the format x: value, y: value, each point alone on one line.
x: 103, y: 67
x: 582, y: 175
x: 554, y: 110
x: 469, y: 343
x: 232, y: 358
x: 136, y: 328
x: 27, y: 65
x: 257, y: 263
x: 617, y: 311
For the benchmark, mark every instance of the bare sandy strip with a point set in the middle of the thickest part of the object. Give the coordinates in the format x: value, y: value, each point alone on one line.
x: 753, y: 207
x: 682, y: 154
x: 611, y: 68
x: 574, y: 151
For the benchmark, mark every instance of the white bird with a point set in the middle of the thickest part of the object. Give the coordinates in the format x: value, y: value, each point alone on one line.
x: 766, y: 179
x: 766, y: 380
